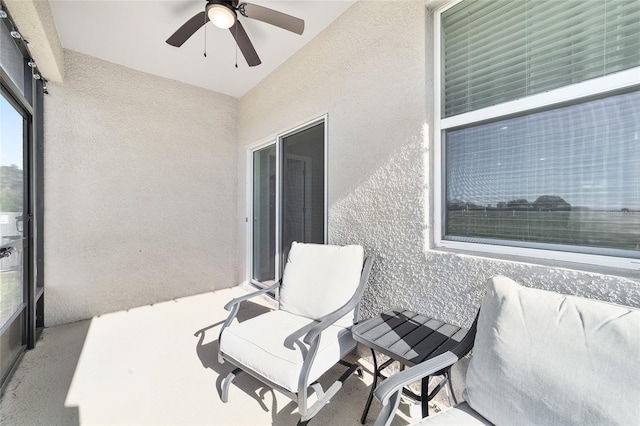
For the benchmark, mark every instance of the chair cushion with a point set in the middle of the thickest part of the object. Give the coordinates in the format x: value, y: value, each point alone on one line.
x: 271, y: 345
x: 460, y: 415
x: 545, y: 358
x: 318, y: 279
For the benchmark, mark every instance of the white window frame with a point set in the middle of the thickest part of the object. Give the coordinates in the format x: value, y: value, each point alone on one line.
x: 277, y: 141
x: 616, y: 82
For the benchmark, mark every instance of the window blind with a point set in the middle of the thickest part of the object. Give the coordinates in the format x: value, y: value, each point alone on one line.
x: 502, y: 50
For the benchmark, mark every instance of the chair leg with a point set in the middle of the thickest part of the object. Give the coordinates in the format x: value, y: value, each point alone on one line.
x: 227, y: 382
x: 323, y: 397
x: 363, y: 419
x: 317, y: 388
x: 388, y: 411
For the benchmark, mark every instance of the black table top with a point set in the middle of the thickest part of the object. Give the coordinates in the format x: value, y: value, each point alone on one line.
x: 408, y: 337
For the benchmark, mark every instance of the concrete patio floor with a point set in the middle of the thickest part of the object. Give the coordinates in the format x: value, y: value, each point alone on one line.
x: 157, y: 365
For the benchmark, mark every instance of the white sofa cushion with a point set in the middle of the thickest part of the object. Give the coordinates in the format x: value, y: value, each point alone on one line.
x: 545, y: 358
x: 318, y: 279
x: 271, y: 345
x: 460, y: 415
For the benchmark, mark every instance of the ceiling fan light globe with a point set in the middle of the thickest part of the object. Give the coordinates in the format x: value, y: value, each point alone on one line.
x: 221, y: 16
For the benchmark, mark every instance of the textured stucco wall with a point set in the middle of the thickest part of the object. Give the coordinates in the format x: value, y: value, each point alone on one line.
x: 140, y: 190
x: 371, y: 71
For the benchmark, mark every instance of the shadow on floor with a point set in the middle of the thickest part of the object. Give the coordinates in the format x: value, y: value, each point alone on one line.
x: 208, y: 354
x: 144, y: 366
x: 29, y: 393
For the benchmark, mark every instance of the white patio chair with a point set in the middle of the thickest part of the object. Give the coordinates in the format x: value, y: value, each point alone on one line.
x: 288, y: 349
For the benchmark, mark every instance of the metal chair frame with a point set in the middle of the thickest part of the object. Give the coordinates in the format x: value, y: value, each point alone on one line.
x: 312, y: 338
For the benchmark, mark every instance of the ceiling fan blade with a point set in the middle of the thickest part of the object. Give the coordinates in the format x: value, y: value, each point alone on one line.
x: 273, y: 17
x: 245, y: 45
x: 188, y: 29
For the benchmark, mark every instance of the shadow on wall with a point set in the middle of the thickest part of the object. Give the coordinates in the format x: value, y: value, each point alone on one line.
x: 388, y: 214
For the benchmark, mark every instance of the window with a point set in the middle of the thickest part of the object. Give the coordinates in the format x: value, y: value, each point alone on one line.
x: 538, y: 129
x: 288, y: 200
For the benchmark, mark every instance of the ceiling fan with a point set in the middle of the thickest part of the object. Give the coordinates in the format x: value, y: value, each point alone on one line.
x: 224, y: 14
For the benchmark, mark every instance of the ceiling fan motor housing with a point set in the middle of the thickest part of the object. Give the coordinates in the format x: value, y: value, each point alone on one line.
x: 233, y: 4
x: 224, y: 14
x: 221, y: 13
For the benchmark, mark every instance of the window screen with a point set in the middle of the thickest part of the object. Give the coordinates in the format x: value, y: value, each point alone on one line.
x: 11, y: 59
x: 568, y: 176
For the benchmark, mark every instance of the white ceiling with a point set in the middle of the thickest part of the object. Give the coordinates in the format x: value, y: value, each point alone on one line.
x: 133, y: 33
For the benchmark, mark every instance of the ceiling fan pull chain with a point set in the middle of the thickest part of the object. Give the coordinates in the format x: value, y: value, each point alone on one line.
x: 236, y: 45
x: 205, y: 36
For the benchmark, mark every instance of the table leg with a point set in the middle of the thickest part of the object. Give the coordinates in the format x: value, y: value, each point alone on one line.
x: 453, y: 395
x: 424, y: 398
x: 373, y: 388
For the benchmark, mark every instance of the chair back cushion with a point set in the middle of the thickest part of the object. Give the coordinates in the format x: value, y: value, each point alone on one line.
x: 318, y: 279
x: 546, y: 358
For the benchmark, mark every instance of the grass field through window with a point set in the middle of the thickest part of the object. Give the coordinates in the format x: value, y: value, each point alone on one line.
x: 609, y: 229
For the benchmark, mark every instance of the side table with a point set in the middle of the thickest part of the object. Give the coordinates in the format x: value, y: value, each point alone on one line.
x: 410, y: 339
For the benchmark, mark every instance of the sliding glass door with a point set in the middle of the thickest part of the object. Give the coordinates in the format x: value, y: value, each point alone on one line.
x: 22, y: 90
x: 288, y: 198
x: 303, y: 187
x: 13, y: 131
x: 264, y: 215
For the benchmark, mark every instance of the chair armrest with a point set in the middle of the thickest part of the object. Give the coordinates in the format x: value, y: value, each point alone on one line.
x: 234, y: 306
x: 334, y: 316
x: 389, y: 391
x: 329, y: 319
x: 238, y: 300
x: 396, y: 382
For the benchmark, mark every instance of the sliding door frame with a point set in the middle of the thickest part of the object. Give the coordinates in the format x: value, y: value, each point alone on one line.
x: 29, y: 102
x: 277, y: 140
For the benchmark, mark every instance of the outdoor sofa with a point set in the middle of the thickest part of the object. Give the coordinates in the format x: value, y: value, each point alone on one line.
x: 540, y: 358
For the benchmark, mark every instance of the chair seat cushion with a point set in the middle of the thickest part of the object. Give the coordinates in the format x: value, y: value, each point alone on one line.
x: 272, y: 345
x: 460, y: 415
